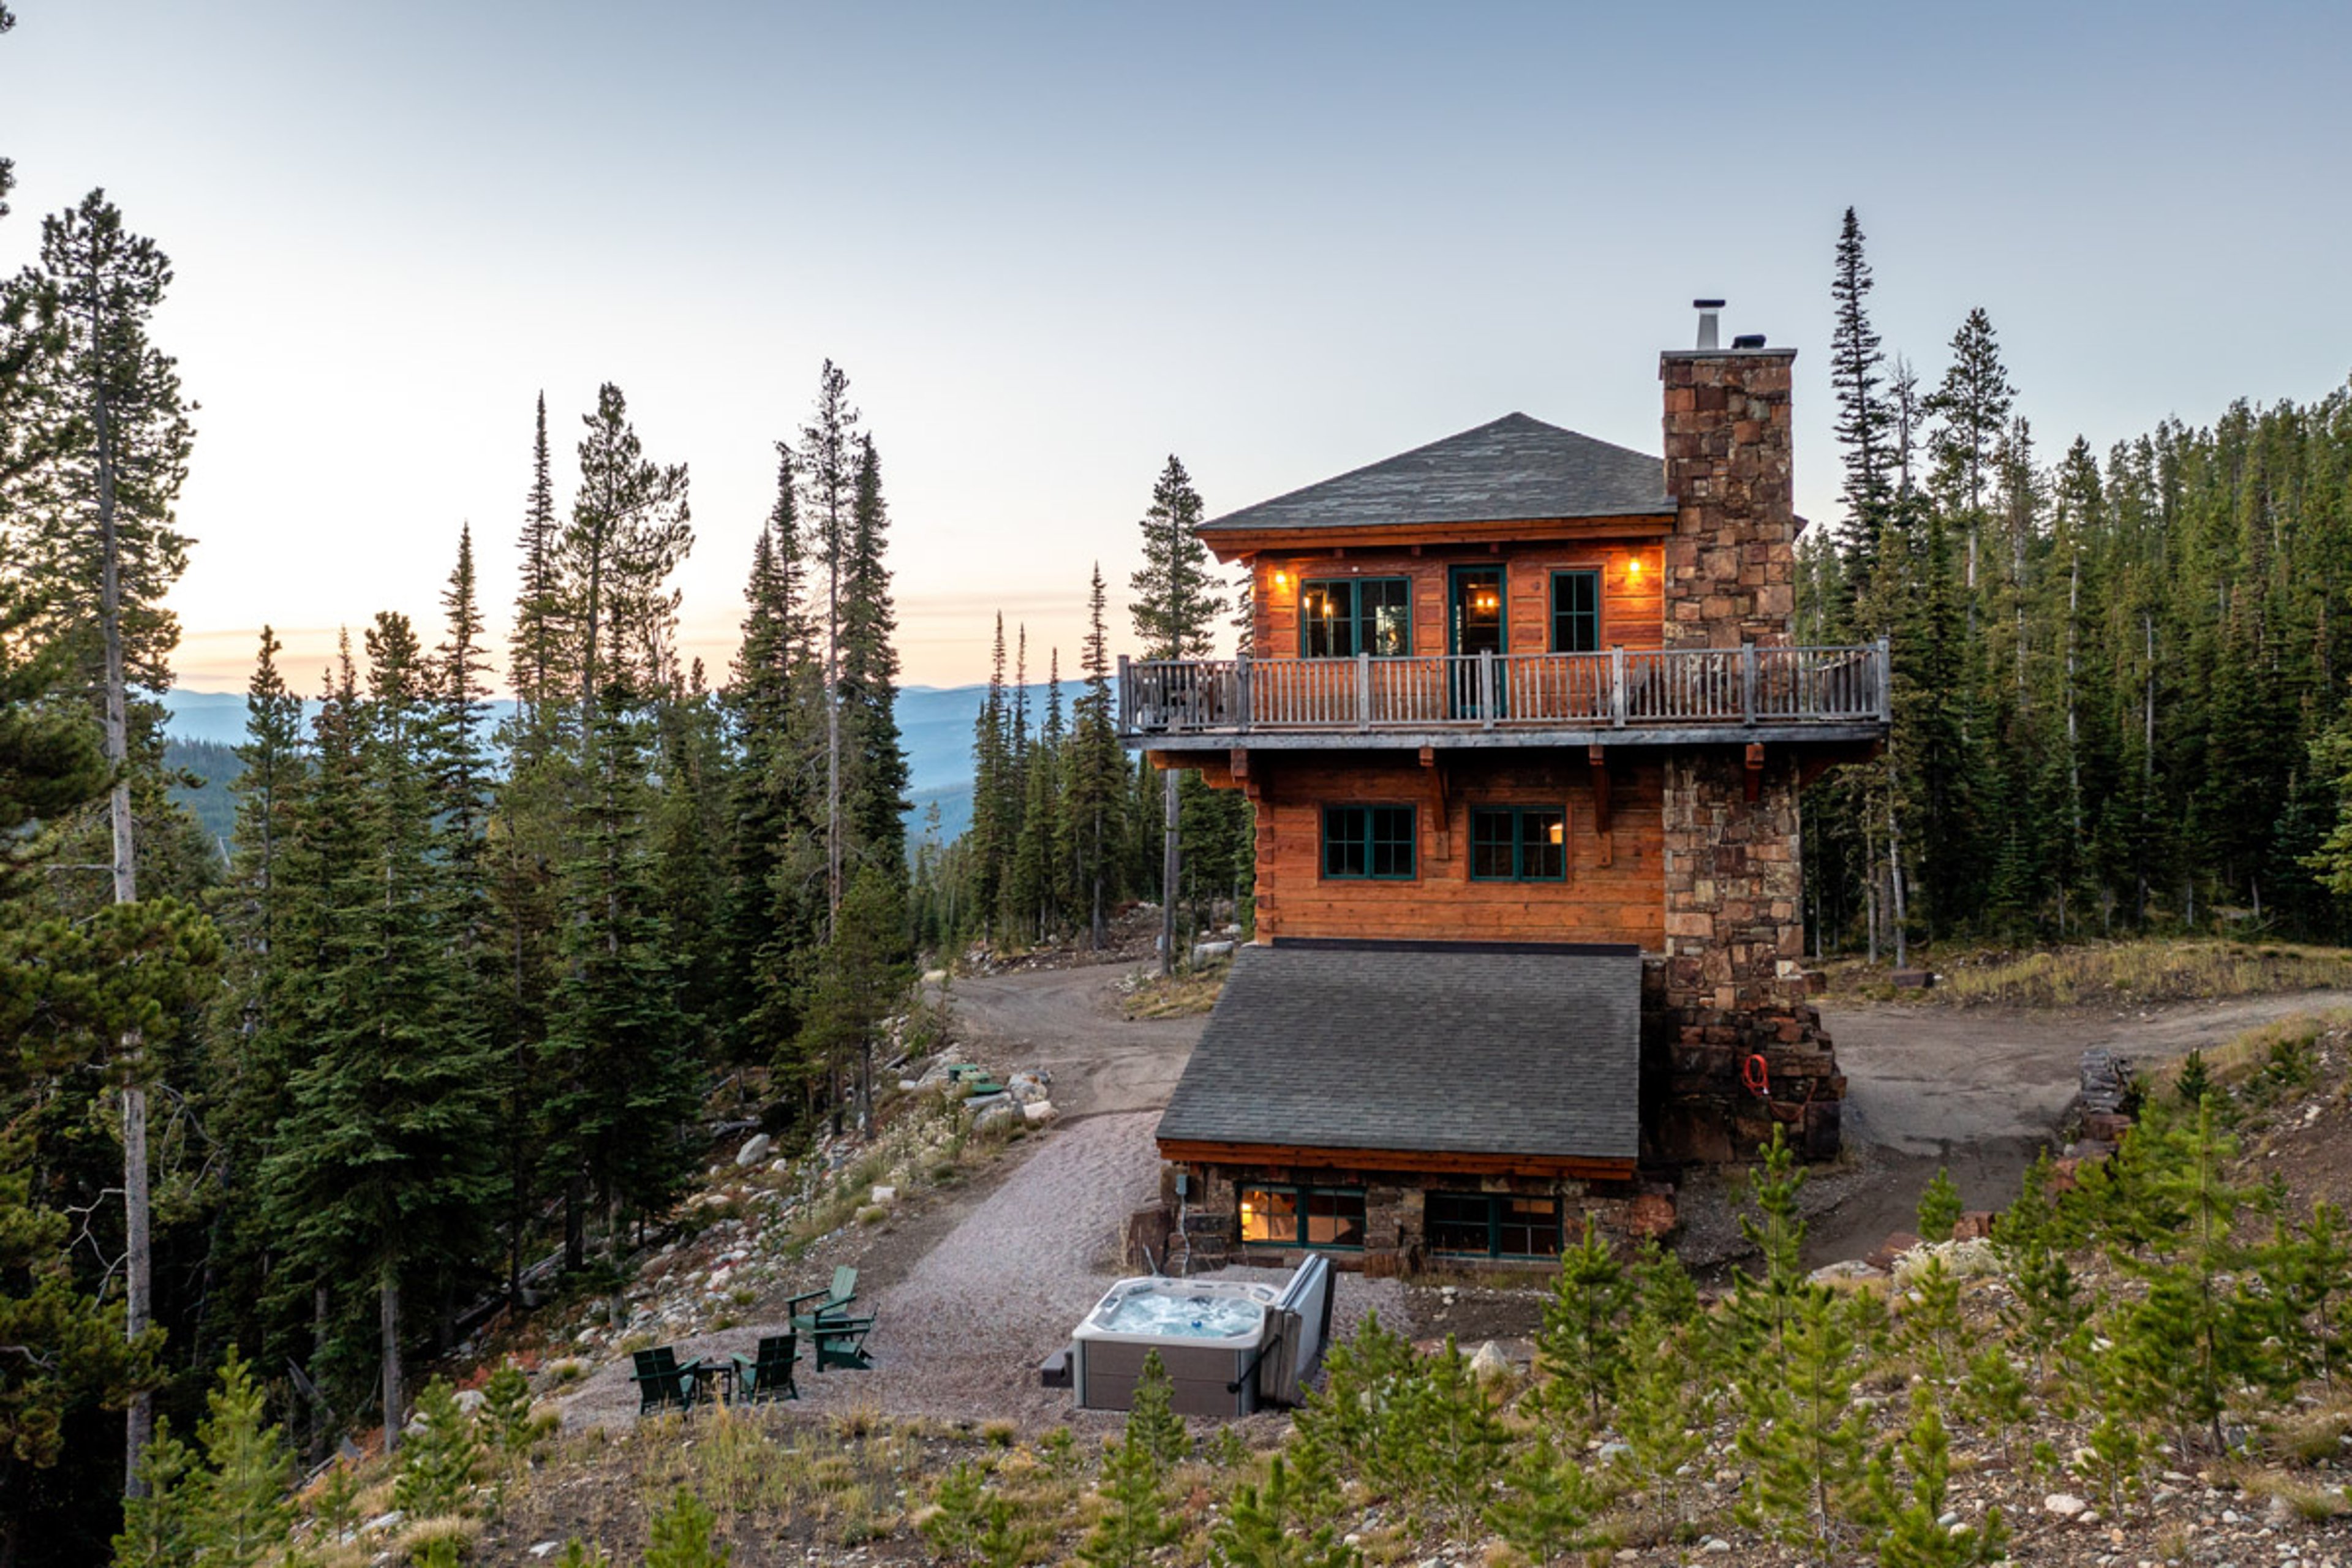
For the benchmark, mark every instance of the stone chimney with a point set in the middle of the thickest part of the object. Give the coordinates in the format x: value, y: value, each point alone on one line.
x: 1731, y: 562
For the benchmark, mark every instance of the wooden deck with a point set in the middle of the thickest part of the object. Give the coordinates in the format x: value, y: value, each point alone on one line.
x: 1621, y: 697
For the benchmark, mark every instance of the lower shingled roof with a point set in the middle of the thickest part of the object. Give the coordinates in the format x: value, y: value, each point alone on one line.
x: 1442, y: 1048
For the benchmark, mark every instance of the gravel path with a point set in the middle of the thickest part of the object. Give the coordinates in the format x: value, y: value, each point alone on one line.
x: 960, y: 1337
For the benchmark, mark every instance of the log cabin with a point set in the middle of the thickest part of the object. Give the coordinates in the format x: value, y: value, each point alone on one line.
x: 1525, y: 728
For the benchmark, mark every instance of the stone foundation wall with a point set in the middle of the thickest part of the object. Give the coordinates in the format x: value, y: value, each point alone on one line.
x: 1394, y: 1239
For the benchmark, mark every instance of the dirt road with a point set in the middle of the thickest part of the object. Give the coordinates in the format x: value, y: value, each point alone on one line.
x: 1980, y: 1089
x: 1068, y: 1021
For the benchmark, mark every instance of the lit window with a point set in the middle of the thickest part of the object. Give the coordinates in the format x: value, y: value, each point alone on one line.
x: 1304, y: 1216
x: 1339, y: 618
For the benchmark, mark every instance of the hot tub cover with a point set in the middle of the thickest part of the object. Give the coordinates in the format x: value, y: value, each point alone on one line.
x: 1442, y: 1048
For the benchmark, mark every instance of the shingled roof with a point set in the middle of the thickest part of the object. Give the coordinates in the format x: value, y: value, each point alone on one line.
x: 1450, y: 1048
x: 1512, y: 469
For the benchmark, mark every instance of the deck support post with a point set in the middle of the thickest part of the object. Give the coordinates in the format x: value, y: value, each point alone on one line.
x: 1597, y: 759
x: 1755, y: 772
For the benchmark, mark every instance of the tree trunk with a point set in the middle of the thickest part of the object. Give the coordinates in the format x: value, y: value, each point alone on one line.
x: 388, y: 1323
x: 1171, y: 867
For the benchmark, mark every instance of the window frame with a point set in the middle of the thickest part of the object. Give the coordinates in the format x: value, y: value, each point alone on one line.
x: 1518, y: 815
x: 1366, y: 841
x: 1495, y: 1203
x: 1299, y: 1194
x: 1358, y: 625
x: 1591, y: 575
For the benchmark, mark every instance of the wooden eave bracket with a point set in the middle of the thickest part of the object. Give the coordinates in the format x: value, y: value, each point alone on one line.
x: 1596, y: 758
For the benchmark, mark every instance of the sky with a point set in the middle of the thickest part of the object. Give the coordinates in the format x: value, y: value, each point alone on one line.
x: 1052, y: 244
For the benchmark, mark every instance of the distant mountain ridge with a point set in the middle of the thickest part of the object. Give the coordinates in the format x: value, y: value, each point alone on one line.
x: 935, y: 726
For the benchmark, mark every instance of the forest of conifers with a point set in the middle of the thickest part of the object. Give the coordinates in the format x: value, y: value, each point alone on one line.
x: 2119, y: 677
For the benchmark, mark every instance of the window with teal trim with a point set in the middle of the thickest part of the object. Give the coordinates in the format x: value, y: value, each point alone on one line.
x: 1518, y: 844
x: 1492, y: 1224
x: 1303, y: 1217
x: 1576, y: 612
x: 1339, y: 618
x: 1373, y: 841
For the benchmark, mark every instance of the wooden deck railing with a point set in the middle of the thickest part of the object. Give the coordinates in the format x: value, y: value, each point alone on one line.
x: 1621, y: 689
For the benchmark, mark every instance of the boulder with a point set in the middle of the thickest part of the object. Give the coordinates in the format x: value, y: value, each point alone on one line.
x: 755, y: 1150
x: 2065, y: 1505
x: 1489, y: 1363
x: 1651, y: 1216
x: 1039, y: 1113
x: 884, y: 1196
x: 996, y: 1112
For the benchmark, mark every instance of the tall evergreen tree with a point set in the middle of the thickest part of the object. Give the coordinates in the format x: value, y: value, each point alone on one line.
x: 1856, y: 372
x: 1175, y: 609
x: 1097, y: 772
x: 874, y: 764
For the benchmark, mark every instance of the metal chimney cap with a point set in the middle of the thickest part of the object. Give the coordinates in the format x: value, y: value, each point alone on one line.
x: 1707, y: 304
x: 1748, y: 340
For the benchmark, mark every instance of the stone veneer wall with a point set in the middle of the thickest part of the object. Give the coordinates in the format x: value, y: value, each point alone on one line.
x: 1733, y: 986
x: 1394, y: 1238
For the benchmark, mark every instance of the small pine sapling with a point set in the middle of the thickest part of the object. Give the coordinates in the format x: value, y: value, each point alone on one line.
x: 1580, y: 1348
x: 1548, y: 1504
x: 2113, y: 1462
x: 246, y: 1514
x: 1137, y: 1519
x: 1662, y: 1418
x: 2029, y: 1241
x: 1004, y: 1540
x: 1803, y: 1441
x: 1151, y: 1419
x: 506, y: 1421
x: 439, y: 1461
x: 1059, y: 1450
x: 1914, y: 1534
x: 1456, y: 1437
x: 162, y: 1527
x: 1931, y: 1330
x: 2195, y: 1082
x: 681, y: 1535
x: 2307, y: 1272
x: 1663, y: 1290
x: 1762, y: 1306
x: 952, y: 1524
x: 1277, y: 1526
x: 336, y: 1507
x: 1997, y: 1400
x: 1229, y: 1450
x: 1348, y: 1421
x: 579, y: 1554
x: 1940, y: 1207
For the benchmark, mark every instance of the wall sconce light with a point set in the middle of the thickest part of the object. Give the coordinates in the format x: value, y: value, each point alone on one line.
x: 1633, y: 566
x: 1281, y: 580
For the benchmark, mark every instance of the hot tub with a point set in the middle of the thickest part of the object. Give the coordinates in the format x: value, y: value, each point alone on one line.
x: 1226, y: 1344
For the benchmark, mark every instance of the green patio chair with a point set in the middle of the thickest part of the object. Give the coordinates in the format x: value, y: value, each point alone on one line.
x: 768, y: 1376
x: 830, y: 1301
x: 666, y: 1383
x: 841, y: 1342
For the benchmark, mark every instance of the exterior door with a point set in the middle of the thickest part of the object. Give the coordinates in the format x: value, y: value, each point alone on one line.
x: 1475, y: 625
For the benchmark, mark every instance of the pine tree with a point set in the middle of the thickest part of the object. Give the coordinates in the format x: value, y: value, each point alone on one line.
x: 243, y: 1513
x: 1274, y: 1526
x: 1582, y: 1346
x: 1662, y: 1419
x: 874, y: 763
x: 1914, y: 1535
x: 1856, y: 370
x: 861, y: 978
x: 631, y: 528
x: 535, y: 653
x: 681, y: 1536
x: 828, y: 471
x: 1940, y: 1207
x: 1137, y: 1519
x: 161, y: 1519
x: 385, y: 1165
x: 1548, y: 1506
x: 1804, y: 1444
x: 619, y: 1058
x: 1175, y: 610
x: 1097, y: 772
x: 117, y: 440
x: 439, y: 1465
x: 1151, y: 1418
x: 1446, y: 1423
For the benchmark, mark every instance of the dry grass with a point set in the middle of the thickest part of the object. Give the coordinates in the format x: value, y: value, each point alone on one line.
x: 2278, y: 1051
x: 1186, y: 995
x: 2117, y: 973
x: 2313, y: 1503
x: 425, y: 1532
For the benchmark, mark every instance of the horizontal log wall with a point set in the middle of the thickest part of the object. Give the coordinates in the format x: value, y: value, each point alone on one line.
x: 1632, y: 612
x: 1615, y: 890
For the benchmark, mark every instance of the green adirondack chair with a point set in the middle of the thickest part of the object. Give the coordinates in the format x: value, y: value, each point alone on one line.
x: 830, y: 1301
x: 841, y: 1342
x: 666, y: 1383
x: 769, y: 1375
